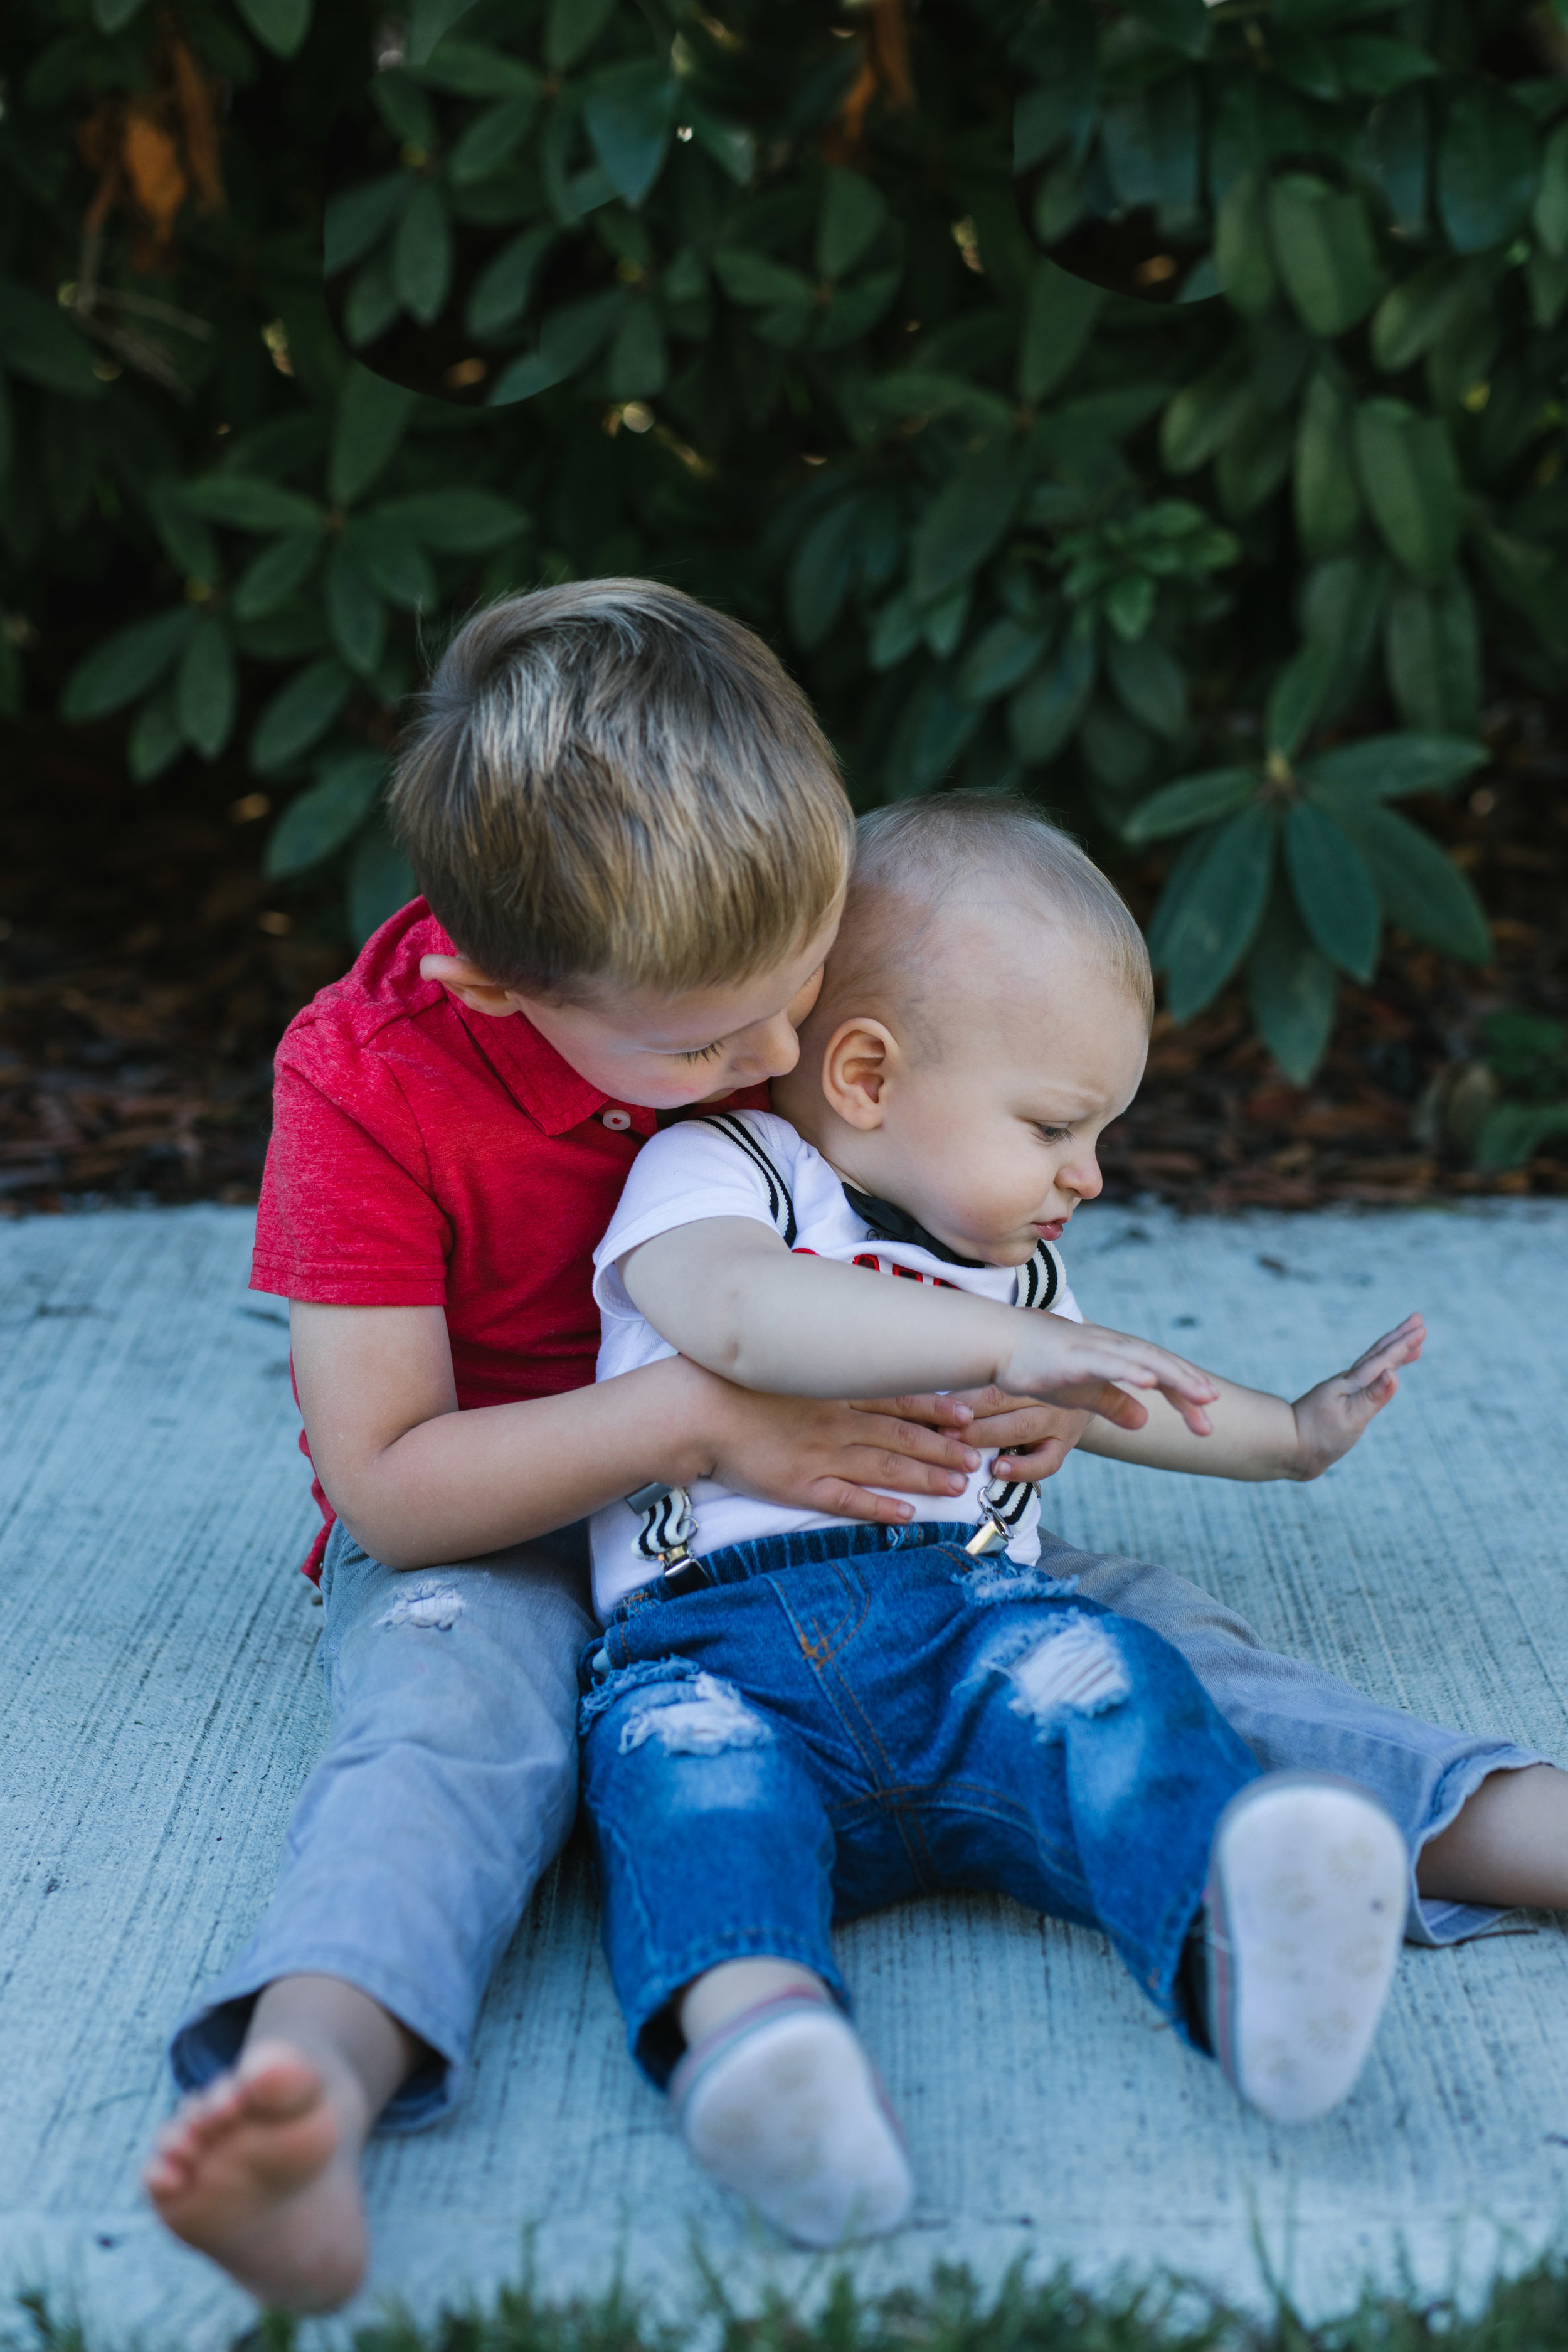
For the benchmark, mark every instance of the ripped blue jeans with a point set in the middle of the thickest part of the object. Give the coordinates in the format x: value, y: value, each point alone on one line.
x: 847, y: 1717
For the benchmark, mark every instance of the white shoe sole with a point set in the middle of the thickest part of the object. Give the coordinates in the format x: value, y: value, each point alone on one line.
x: 1308, y: 1888
x: 790, y: 2116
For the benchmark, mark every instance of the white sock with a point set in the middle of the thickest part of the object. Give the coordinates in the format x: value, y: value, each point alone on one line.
x: 781, y: 2106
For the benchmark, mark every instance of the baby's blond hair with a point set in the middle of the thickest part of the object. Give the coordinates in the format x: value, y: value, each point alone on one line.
x: 911, y: 857
x: 609, y: 784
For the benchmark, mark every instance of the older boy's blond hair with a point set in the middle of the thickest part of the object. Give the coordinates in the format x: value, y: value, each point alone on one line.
x: 609, y: 784
x: 913, y: 858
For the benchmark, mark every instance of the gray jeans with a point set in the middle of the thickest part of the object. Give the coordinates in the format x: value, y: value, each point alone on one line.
x: 450, y: 1778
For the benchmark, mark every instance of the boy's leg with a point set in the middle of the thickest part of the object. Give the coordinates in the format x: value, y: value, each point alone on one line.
x: 715, y: 1859
x: 449, y: 1783
x: 1295, y: 1718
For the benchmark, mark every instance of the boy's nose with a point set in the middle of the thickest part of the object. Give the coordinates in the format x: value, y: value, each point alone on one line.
x: 772, y: 1049
x: 1086, y: 1180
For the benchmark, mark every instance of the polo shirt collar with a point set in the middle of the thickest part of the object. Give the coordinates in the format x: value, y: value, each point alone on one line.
x: 550, y: 1091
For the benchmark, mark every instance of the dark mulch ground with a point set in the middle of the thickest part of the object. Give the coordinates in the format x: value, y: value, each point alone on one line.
x: 147, y: 968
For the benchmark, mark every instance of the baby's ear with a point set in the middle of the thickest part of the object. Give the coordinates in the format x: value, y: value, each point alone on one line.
x: 469, y: 984
x: 857, y: 1066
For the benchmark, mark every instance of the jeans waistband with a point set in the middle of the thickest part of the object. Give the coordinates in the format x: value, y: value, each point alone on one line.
x: 737, y: 1563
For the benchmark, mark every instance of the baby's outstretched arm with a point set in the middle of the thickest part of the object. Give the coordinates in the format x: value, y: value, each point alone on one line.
x: 1261, y: 1436
x: 727, y: 1293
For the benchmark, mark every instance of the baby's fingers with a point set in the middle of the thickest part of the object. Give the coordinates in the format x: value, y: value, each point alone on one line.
x: 1401, y: 1346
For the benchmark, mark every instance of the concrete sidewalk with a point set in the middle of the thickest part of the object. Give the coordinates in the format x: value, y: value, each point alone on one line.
x: 159, y: 1713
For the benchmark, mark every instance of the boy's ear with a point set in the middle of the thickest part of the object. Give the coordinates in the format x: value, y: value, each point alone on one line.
x: 858, y: 1063
x: 468, y: 984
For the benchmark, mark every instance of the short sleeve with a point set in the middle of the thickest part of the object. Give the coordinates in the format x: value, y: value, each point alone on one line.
x: 347, y: 1216
x: 683, y: 1176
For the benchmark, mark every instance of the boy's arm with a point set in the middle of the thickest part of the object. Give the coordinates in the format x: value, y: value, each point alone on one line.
x: 728, y: 1294
x: 1261, y: 1436
x: 419, y: 1482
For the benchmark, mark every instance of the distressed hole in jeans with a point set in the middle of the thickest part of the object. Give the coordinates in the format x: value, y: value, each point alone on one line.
x: 1077, y: 1670
x: 700, y: 1718
x: 433, y: 1608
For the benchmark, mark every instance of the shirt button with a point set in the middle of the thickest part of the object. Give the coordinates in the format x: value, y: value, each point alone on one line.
x: 617, y: 1121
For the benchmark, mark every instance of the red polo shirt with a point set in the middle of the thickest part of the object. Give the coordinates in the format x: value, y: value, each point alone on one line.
x: 422, y: 1155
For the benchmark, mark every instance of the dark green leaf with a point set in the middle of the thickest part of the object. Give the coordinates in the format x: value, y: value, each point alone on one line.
x: 1170, y: 905
x: 1292, y: 989
x: 1546, y: 275
x: 638, y: 359
x: 246, y: 502
x: 1118, y: 751
x: 1307, y: 60
x: 1410, y: 481
x: 1384, y: 767
x: 492, y: 138
x: 572, y: 26
x: 501, y: 290
x: 393, y: 561
x: 1298, y: 695
x: 155, y: 741
x: 821, y: 570
x: 279, y: 25
x: 1151, y: 682
x: 751, y: 279
x: 1195, y: 425
x: 941, y: 725
x: 1334, y: 891
x: 1376, y: 65
x: 1223, y: 908
x: 1244, y: 262
x: 1514, y: 1132
x: 1414, y: 314
x: 1422, y: 889
x: 568, y: 337
x: 1394, y: 152
x: 1488, y: 158
x: 403, y: 105
x: 853, y: 216
x: 1328, y: 503
x: 371, y: 304
x: 422, y: 255
x: 1435, y: 657
x: 1128, y: 604
x: 1060, y: 311
x: 381, y: 879
x: 108, y: 16
x: 1000, y: 659
x: 853, y: 309
x: 1046, y: 712
x: 355, y: 614
x: 322, y: 819
x: 895, y: 632
x: 1323, y: 244
x: 1527, y: 577
x: 126, y: 664
x: 1196, y: 800
x: 429, y: 21
x: 1254, y: 461
x: 1550, y: 216
x: 271, y: 577
x: 731, y: 146
x: 358, y: 218
x: 299, y: 714
x: 1184, y: 25
x: 474, y: 69
x: 967, y: 520
x: 38, y: 342
x: 206, y: 689
x: 942, y: 625
x: 464, y: 523
x: 187, y: 543
x: 630, y: 112
x: 372, y: 416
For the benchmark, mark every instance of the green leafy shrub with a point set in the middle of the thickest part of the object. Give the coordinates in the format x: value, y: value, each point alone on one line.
x: 843, y: 319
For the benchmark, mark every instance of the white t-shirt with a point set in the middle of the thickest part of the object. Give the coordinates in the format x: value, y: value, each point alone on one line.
x: 691, y: 1172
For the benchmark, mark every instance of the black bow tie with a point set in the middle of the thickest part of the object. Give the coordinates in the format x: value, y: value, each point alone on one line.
x: 890, y: 1224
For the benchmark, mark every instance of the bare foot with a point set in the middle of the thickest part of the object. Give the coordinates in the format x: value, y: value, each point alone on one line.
x: 254, y: 2171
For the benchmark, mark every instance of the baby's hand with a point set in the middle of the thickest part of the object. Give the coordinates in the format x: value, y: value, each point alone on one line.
x: 1331, y: 1417
x: 1087, y: 1369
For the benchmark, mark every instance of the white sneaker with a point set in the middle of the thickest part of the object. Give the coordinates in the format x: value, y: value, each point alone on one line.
x: 782, y: 2105
x: 1307, y: 1893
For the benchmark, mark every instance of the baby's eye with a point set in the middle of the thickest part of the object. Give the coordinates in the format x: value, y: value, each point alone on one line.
x: 703, y: 1053
x: 1052, y: 1134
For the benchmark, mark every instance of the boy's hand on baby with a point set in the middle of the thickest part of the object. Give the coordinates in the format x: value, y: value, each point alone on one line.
x: 812, y: 1454
x: 1331, y: 1417
x: 1088, y: 1370
x: 1030, y: 1441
